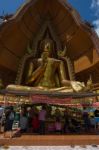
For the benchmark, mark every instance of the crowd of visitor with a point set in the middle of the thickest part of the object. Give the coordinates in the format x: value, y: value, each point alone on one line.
x: 44, y: 121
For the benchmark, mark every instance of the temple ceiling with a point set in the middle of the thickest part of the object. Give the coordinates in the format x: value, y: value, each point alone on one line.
x: 16, y: 33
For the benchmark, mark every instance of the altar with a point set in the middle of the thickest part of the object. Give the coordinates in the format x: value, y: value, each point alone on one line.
x: 42, y: 97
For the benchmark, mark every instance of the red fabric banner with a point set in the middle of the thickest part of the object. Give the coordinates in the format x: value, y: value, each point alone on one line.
x: 50, y: 100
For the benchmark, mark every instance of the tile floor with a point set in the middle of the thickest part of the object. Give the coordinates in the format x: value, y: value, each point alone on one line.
x: 88, y: 147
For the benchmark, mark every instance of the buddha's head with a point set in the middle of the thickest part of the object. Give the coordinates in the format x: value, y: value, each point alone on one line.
x: 48, y: 49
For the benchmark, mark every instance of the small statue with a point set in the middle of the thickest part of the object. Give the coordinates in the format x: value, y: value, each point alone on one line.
x: 62, y: 53
x: 89, y: 83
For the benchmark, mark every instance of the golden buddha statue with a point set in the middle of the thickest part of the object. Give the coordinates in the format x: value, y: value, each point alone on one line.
x: 49, y: 75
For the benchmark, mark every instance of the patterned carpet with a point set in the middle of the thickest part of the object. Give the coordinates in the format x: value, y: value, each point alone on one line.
x: 72, y: 147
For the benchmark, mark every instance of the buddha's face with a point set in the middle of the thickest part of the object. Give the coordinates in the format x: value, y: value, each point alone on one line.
x: 47, y: 46
x: 47, y: 49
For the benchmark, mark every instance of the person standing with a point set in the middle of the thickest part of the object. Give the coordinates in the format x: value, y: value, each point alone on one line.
x: 35, y: 123
x: 86, y: 119
x: 58, y: 126
x: 66, y: 121
x: 23, y: 123
x: 9, y: 119
x: 96, y: 112
x: 1, y: 114
x: 42, y: 119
